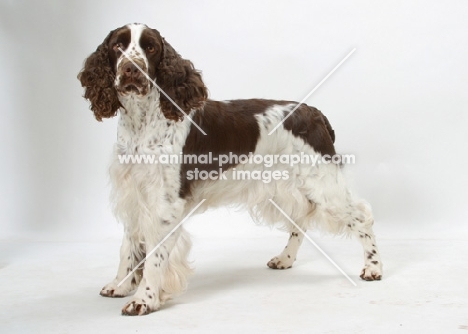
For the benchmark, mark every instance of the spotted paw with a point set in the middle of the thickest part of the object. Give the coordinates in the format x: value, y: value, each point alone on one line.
x: 114, y: 291
x: 278, y: 263
x: 371, y: 274
x: 138, y: 307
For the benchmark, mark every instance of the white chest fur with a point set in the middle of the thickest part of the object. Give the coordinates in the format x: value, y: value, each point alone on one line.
x: 144, y: 192
x: 143, y: 129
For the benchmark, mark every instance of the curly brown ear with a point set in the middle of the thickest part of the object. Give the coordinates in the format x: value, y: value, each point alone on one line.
x: 98, y: 79
x: 178, y: 78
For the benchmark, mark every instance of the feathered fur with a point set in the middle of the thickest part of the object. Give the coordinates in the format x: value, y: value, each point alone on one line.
x: 152, y: 199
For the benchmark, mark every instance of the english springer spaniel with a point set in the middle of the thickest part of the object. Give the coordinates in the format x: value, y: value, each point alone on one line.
x: 124, y: 76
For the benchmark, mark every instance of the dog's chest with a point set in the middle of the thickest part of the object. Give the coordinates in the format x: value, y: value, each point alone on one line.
x: 143, y: 129
x: 149, y: 140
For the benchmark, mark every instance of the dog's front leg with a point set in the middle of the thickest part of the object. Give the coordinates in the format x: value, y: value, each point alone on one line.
x: 128, y: 260
x: 165, y: 270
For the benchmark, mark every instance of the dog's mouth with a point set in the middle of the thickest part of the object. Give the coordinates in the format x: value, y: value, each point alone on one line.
x: 136, y: 88
x: 131, y: 88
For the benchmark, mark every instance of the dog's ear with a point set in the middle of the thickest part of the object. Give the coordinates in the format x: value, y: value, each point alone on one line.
x: 178, y: 78
x: 97, y: 77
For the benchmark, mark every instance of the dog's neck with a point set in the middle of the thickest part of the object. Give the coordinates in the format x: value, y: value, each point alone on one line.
x: 142, y: 124
x: 138, y: 112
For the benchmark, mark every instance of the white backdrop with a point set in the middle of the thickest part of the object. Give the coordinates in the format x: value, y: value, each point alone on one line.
x: 399, y: 103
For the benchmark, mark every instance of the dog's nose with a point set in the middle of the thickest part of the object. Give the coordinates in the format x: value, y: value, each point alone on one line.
x: 131, y: 71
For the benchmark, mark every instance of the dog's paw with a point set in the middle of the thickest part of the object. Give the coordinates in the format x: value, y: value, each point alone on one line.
x: 371, y: 274
x: 280, y: 262
x: 139, y: 306
x: 114, y: 291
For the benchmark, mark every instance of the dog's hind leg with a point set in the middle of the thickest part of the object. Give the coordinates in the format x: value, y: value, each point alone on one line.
x: 354, y: 217
x: 287, y: 257
x: 339, y: 212
x: 360, y: 226
x: 301, y: 211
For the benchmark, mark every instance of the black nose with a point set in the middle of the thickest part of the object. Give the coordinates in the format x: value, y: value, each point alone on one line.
x: 131, y: 71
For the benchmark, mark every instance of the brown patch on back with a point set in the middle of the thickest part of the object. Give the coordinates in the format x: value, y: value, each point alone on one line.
x: 230, y: 127
x: 313, y: 127
x: 233, y: 127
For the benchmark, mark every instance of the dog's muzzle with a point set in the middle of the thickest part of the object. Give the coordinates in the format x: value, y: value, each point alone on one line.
x: 131, y: 80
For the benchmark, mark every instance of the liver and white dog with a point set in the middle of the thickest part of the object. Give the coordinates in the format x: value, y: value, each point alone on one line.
x: 124, y: 76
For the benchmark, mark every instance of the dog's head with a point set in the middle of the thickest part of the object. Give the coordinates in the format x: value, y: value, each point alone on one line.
x: 128, y: 62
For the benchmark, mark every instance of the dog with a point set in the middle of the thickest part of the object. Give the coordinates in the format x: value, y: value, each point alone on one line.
x: 164, y: 111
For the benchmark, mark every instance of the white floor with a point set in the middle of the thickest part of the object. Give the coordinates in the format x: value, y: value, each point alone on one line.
x: 52, y: 287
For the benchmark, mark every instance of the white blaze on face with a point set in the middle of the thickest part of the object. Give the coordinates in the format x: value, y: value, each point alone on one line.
x: 133, y: 50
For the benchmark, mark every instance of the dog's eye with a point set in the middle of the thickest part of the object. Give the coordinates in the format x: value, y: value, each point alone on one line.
x: 150, y: 49
x: 117, y: 46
